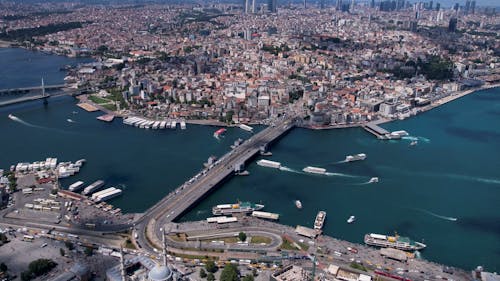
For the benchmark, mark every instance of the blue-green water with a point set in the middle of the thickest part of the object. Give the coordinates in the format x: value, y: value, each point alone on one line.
x: 23, y: 68
x: 453, y: 172
x: 445, y: 190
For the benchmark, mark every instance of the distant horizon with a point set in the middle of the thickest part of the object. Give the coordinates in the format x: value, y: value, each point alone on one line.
x: 444, y: 3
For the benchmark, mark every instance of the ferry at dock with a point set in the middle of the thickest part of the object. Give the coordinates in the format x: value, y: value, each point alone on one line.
x: 241, y: 207
x: 269, y: 164
x: 320, y: 220
x: 396, y: 242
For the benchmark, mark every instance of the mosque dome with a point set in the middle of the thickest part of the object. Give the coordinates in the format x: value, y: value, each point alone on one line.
x: 160, y: 273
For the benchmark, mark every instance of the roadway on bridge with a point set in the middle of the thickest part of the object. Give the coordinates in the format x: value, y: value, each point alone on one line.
x: 171, y: 207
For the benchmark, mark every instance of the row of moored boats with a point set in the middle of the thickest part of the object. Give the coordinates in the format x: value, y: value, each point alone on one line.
x: 144, y: 123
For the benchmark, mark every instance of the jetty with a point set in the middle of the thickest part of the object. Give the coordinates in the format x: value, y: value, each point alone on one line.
x: 378, y: 131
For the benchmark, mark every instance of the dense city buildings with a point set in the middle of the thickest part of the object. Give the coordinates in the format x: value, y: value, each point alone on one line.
x: 313, y: 64
x: 240, y: 64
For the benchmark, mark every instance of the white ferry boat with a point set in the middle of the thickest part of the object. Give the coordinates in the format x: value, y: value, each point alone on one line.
x: 351, y: 219
x: 373, y: 180
x: 397, y: 242
x: 241, y: 207
x: 270, y: 164
x: 314, y: 170
x: 320, y: 220
x: 356, y: 157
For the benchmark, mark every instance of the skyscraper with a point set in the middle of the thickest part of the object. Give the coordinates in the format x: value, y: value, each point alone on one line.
x: 321, y: 4
x: 338, y: 6
x: 305, y: 4
x: 467, y: 7
x: 271, y: 5
x: 473, y: 6
x: 438, y: 6
x: 372, y: 4
x: 452, y: 25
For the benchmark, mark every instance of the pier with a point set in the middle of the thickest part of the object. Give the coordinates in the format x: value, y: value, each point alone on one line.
x: 378, y: 131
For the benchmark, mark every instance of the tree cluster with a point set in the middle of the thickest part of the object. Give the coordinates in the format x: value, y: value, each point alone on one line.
x: 37, y: 268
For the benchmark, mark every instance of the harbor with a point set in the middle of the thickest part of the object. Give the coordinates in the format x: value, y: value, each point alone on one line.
x: 144, y: 123
x: 284, y: 205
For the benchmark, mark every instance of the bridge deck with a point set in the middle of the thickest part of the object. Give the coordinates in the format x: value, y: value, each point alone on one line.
x: 184, y: 197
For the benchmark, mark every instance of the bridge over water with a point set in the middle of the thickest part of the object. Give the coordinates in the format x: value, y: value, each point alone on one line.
x: 187, y: 195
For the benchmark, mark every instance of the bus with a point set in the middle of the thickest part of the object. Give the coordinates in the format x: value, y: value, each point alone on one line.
x: 28, y: 238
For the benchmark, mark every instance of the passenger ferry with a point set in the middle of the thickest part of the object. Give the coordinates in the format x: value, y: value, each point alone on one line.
x: 356, y: 157
x: 320, y: 220
x: 397, y: 242
x: 241, y: 207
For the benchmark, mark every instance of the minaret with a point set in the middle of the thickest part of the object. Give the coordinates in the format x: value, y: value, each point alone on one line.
x: 43, y: 88
x: 164, y: 248
x: 122, y: 265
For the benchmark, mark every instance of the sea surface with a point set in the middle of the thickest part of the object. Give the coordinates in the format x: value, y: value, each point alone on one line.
x: 24, y: 68
x: 444, y: 191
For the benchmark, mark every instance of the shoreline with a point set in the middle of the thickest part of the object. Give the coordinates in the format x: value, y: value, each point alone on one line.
x: 442, y: 101
x: 452, y: 97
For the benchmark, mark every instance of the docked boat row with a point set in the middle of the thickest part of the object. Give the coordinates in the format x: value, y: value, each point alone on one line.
x: 144, y: 123
x: 93, y: 187
x: 397, y: 242
x: 106, y: 194
x: 63, y: 169
x: 240, y: 207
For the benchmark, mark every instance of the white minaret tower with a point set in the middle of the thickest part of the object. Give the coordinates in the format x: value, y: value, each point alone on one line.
x: 164, y: 248
x: 122, y: 265
x: 43, y: 88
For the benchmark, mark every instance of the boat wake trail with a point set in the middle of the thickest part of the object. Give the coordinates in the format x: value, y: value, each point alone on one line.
x: 340, y: 175
x: 477, y: 179
x: 286, y: 169
x: 19, y: 120
x: 436, y: 215
x: 413, y: 138
x: 200, y: 212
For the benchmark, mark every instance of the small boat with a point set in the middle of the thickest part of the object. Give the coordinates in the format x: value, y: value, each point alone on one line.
x: 356, y: 157
x: 12, y: 117
x: 373, y: 180
x: 219, y: 132
x: 413, y: 143
x: 298, y: 204
x: 243, y: 173
x: 75, y: 112
x: 351, y: 219
x: 70, y: 120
